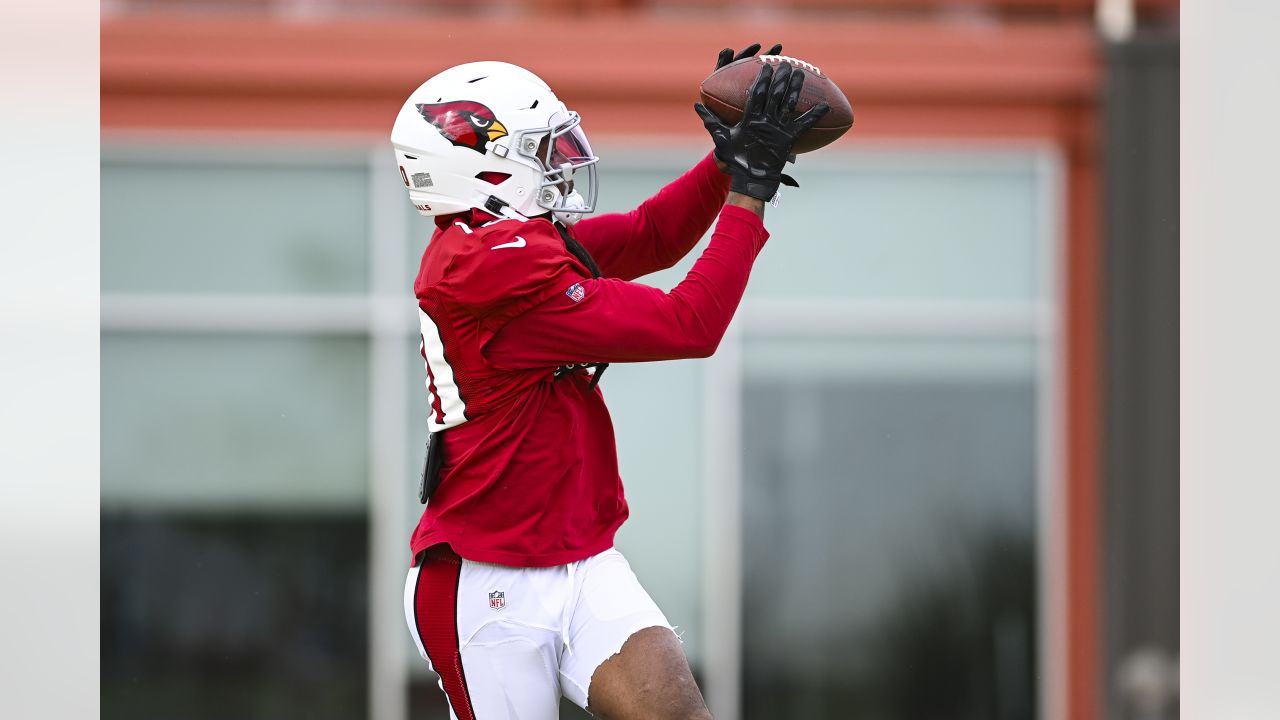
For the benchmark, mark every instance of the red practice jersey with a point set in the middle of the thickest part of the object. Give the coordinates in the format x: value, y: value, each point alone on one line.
x: 530, y: 470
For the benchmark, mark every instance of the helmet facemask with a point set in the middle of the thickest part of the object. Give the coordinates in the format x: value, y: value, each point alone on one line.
x: 562, y: 151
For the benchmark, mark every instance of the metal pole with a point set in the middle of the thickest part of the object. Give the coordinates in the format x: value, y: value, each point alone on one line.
x: 388, y: 395
x: 722, y: 539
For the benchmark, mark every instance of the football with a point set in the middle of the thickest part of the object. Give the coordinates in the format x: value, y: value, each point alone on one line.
x: 724, y: 92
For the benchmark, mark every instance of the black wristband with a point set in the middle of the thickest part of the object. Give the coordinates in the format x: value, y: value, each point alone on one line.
x: 753, y: 182
x: 760, y: 189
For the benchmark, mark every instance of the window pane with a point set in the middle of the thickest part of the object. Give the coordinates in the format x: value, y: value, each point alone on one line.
x: 215, y: 227
x: 889, y: 538
x: 885, y: 224
x: 657, y: 418
x: 214, y: 617
x: 249, y: 422
x: 911, y: 226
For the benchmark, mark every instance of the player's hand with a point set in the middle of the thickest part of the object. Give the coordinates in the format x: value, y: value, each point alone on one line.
x: 727, y: 56
x: 759, y: 146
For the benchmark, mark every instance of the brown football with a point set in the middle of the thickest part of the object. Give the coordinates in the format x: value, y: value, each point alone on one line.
x: 724, y: 92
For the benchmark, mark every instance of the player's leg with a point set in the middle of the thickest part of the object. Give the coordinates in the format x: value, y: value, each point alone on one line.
x: 511, y: 673
x: 649, y: 678
x: 624, y: 661
x: 478, y: 627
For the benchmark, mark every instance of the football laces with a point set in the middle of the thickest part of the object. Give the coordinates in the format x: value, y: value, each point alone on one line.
x: 775, y: 59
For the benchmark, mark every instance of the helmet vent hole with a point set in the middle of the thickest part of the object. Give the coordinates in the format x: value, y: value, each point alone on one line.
x: 534, y: 105
x: 477, y: 79
x: 410, y: 157
x: 493, y: 178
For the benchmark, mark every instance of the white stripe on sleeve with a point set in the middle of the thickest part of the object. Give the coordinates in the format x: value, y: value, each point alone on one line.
x: 451, y: 404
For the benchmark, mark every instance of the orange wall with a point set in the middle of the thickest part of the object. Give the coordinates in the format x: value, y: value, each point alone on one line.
x: 638, y: 75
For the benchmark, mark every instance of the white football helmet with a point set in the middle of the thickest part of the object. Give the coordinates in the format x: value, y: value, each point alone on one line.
x: 491, y: 135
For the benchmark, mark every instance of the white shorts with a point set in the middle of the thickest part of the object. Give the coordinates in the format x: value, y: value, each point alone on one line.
x: 507, y: 641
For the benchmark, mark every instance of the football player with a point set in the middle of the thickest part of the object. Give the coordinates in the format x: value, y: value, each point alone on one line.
x: 516, y: 594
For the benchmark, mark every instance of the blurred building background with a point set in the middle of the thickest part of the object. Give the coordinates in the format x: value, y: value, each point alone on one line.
x: 930, y: 473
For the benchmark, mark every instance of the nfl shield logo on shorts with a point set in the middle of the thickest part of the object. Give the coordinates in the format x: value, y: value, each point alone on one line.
x: 497, y: 600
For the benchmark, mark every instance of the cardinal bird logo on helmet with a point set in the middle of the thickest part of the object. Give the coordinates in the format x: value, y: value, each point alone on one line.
x: 463, y: 122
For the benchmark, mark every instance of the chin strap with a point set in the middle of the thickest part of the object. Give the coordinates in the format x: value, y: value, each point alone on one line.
x: 571, y: 212
x: 501, y: 209
x: 576, y: 249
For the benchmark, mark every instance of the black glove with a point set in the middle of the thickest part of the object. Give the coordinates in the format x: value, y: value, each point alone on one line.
x: 727, y: 56
x: 759, y: 146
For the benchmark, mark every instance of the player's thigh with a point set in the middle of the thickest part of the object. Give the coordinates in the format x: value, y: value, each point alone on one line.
x: 511, y: 673
x: 492, y: 659
x: 624, y: 659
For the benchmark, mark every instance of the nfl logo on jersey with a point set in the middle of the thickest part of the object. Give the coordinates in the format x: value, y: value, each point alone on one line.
x: 576, y: 292
x: 497, y: 600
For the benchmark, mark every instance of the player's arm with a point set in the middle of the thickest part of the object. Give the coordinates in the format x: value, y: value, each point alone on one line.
x: 668, y: 225
x: 612, y: 320
x: 746, y: 202
x: 659, y: 232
